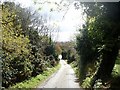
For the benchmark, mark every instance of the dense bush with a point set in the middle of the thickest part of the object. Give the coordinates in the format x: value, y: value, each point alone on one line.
x: 24, y: 49
x: 68, y: 51
x: 16, y: 64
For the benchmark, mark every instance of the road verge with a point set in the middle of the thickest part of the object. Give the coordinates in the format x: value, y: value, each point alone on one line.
x: 39, y: 79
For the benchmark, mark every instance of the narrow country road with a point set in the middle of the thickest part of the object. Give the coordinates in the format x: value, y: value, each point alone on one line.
x: 63, y: 78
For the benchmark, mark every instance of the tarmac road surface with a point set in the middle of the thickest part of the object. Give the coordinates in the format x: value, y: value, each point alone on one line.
x: 63, y: 78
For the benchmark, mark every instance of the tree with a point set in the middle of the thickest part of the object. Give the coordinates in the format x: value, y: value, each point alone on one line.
x: 101, y: 37
x: 15, y: 48
x: 26, y: 50
x: 58, y: 48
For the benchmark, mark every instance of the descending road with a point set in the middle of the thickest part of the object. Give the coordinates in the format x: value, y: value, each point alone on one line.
x: 63, y: 78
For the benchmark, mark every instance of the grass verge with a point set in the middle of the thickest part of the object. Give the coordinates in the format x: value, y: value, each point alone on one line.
x: 35, y: 81
x: 75, y: 68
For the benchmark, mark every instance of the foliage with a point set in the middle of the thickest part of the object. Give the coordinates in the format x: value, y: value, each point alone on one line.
x: 86, y: 52
x: 74, y: 65
x: 116, y: 70
x: 118, y: 59
x: 34, y: 81
x: 68, y: 51
x: 58, y: 48
x: 98, y: 84
x: 86, y: 83
x: 64, y: 54
x: 98, y: 41
x: 16, y: 64
x: 26, y: 51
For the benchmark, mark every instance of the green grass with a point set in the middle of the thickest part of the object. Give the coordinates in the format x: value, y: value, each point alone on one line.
x: 75, y: 68
x: 35, y: 81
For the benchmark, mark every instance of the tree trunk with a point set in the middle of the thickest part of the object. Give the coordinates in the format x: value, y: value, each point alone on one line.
x: 107, y: 64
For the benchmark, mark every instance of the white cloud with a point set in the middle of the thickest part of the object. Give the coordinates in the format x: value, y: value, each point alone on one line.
x: 67, y: 26
x: 25, y: 3
x: 62, y: 36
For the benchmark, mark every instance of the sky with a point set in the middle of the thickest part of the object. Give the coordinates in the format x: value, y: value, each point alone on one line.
x: 66, y: 27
